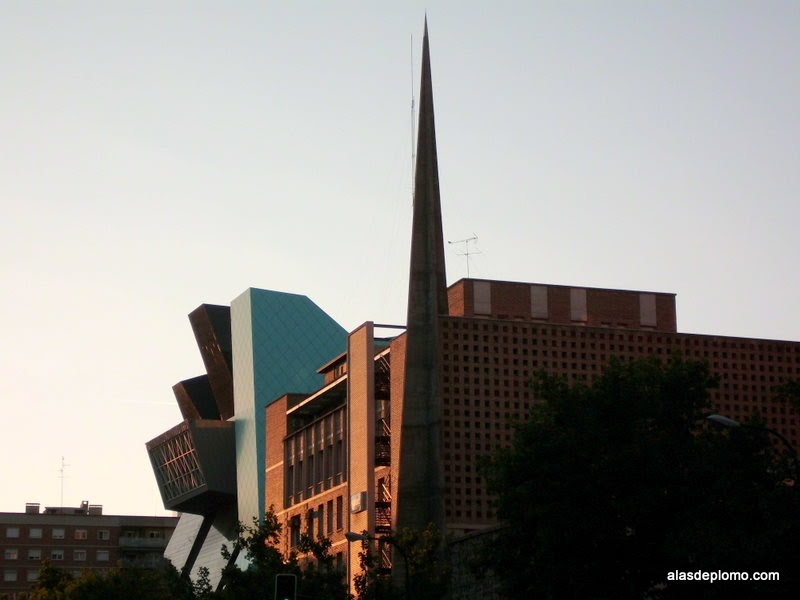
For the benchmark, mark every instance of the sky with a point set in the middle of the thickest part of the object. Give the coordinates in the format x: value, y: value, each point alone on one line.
x: 159, y: 155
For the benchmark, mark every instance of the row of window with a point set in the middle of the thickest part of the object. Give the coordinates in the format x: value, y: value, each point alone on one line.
x: 477, y: 357
x: 10, y: 575
x: 57, y: 533
x: 556, y: 331
x: 325, y: 518
x: 55, y: 554
x: 32, y: 574
x: 315, y: 457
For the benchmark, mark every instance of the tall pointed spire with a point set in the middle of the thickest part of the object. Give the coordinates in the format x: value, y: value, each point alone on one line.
x: 427, y: 279
x: 420, y: 493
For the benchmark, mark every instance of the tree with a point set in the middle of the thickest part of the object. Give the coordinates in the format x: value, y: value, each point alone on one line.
x: 609, y: 487
x: 258, y: 542
x: 316, y: 577
x: 202, y: 588
x: 422, y: 553
x: 319, y: 577
x: 789, y: 392
x: 121, y: 583
x: 52, y: 583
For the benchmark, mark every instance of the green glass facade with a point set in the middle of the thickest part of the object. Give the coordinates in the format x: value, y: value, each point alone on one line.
x: 279, y: 341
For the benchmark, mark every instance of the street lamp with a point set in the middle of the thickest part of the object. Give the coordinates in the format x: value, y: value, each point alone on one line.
x: 352, y: 536
x: 729, y: 423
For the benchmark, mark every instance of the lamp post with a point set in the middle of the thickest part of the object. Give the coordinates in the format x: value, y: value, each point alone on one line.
x: 351, y: 537
x: 729, y: 423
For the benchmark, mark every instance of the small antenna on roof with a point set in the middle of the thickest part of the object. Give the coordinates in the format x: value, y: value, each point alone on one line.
x: 467, y: 252
x: 62, y: 476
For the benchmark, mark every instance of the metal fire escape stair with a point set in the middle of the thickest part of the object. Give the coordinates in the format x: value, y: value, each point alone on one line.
x: 383, y: 523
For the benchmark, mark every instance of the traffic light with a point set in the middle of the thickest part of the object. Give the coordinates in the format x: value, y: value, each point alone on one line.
x: 285, y: 586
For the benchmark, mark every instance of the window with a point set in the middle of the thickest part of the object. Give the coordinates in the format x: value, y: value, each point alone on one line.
x: 33, y: 574
x: 337, y: 462
x: 539, y: 308
x: 81, y: 534
x: 56, y: 554
x: 102, y: 555
x: 310, y: 523
x: 34, y: 554
x: 294, y: 531
x: 79, y: 555
x: 330, y: 517
x: 103, y: 535
x: 11, y: 554
x: 12, y: 532
x: 35, y: 533
x: 577, y: 299
x: 10, y: 575
x: 339, y: 513
x: 58, y: 533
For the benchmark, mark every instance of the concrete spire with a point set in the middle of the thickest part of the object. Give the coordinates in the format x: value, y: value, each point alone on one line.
x: 427, y: 279
x: 420, y: 491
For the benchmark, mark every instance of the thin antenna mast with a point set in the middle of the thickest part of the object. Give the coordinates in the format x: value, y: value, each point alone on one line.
x: 467, y: 251
x: 62, y: 476
x: 413, y: 146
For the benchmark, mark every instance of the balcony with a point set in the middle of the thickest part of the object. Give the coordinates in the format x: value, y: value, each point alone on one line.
x: 142, y: 543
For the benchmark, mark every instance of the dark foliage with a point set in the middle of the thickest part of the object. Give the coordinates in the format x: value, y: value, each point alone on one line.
x: 421, y: 552
x: 317, y: 576
x: 609, y: 487
x: 117, y: 584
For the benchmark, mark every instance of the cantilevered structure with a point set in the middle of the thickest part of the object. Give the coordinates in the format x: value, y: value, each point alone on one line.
x: 211, y: 466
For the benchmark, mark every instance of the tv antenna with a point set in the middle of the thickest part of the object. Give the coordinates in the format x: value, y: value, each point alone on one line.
x: 62, y: 476
x: 467, y: 252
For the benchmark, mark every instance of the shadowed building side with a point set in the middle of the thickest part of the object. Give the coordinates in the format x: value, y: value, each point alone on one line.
x: 195, y: 398
x: 212, y: 329
x: 195, y: 462
x: 420, y: 497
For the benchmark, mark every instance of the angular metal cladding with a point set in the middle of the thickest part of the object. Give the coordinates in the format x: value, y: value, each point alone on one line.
x: 211, y: 324
x: 195, y: 398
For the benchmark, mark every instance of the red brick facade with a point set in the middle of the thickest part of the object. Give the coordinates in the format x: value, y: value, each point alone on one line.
x: 497, y: 336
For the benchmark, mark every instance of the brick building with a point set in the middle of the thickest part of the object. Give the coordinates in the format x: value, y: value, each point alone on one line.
x: 383, y: 427
x: 427, y: 404
x: 76, y: 539
x: 332, y: 455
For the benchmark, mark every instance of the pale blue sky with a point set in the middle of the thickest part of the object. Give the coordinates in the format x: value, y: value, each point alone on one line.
x: 157, y: 155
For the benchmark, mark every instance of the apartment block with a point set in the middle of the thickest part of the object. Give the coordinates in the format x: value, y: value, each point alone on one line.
x: 76, y: 539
